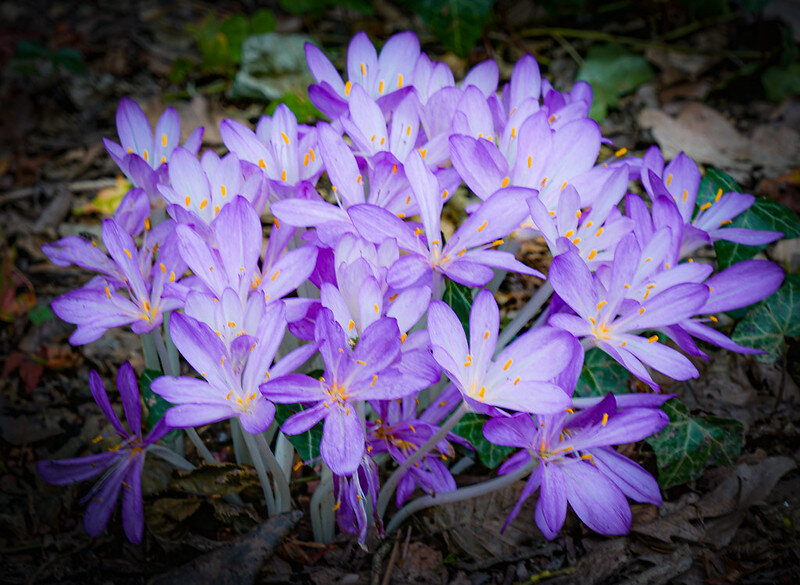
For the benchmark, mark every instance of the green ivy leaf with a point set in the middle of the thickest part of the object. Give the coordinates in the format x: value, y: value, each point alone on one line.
x: 456, y: 23
x: 470, y: 427
x: 689, y: 445
x: 600, y: 375
x: 711, y: 183
x: 306, y: 444
x: 767, y: 324
x: 613, y: 72
x: 459, y: 297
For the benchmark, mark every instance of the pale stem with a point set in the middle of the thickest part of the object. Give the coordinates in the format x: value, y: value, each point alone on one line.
x: 261, y: 470
x: 239, y: 449
x: 526, y: 314
x: 284, y: 498
x: 170, y: 457
x: 207, y: 456
x: 388, y: 488
x: 166, y: 365
x: 284, y: 453
x: 172, y: 351
x: 323, y: 516
x: 459, y: 495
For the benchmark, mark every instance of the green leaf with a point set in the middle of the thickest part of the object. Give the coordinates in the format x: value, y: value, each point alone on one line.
x: 301, y: 107
x: 155, y: 405
x: 711, y: 183
x: 613, y: 73
x: 263, y: 21
x: 767, y: 325
x: 317, y: 8
x: 600, y: 375
x: 470, y: 427
x: 689, y: 445
x: 459, y: 297
x: 306, y: 444
x: 70, y: 59
x: 41, y: 314
x: 781, y: 82
x: 456, y: 23
x: 764, y: 214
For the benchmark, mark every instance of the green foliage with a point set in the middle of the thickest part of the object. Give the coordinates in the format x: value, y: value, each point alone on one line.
x: 220, y: 41
x: 317, y: 8
x: 689, y: 445
x: 600, y: 375
x: 781, y: 82
x: 767, y: 324
x: 306, y: 444
x: 33, y: 58
x: 301, y: 107
x: 41, y: 314
x: 470, y: 427
x: 457, y: 24
x: 613, y: 73
x: 711, y: 183
x: 154, y: 404
x: 459, y: 297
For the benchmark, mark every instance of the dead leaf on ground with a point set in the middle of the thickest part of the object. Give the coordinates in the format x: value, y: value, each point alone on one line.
x: 421, y: 564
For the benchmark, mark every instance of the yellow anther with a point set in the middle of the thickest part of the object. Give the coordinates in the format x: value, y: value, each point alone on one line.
x: 350, y: 325
x: 530, y: 161
x: 705, y: 206
x: 363, y: 69
x: 592, y: 254
x: 621, y: 152
x: 726, y: 222
x: 231, y: 324
x: 274, y: 276
x: 127, y: 252
x: 551, y: 118
x: 652, y: 339
x: 516, y: 381
x: 285, y: 138
x: 305, y: 160
x: 216, y: 209
x: 172, y: 277
x: 394, y: 169
x: 163, y: 140
x: 601, y: 304
x: 188, y: 200
x: 283, y: 175
x: 641, y: 310
x: 685, y: 194
x: 374, y: 379
x: 718, y: 195
x: 377, y: 308
x: 669, y: 179
x: 564, y: 185
x: 569, y: 234
x: 713, y: 318
x: 623, y: 344
x: 423, y: 152
x: 513, y: 132
x: 262, y: 164
x: 277, y: 223
x: 399, y: 80
x: 347, y: 87
x: 507, y: 364
x: 403, y: 337
x: 599, y: 232
x: 380, y: 87
x: 605, y: 419
x: 497, y: 242
x: 311, y: 152
x: 445, y: 193
x: 203, y: 203
x: 146, y: 155
x: 361, y: 362
x: 408, y: 131
x: 483, y: 226
x: 108, y: 292
x: 576, y: 241
x: 147, y: 223
x: 504, y: 183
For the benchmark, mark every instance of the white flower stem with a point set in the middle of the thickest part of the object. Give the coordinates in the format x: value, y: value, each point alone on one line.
x: 261, y: 470
x: 459, y: 495
x: 283, y: 498
x: 388, y: 488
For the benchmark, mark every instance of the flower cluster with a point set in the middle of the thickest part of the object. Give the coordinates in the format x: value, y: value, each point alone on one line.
x: 349, y: 282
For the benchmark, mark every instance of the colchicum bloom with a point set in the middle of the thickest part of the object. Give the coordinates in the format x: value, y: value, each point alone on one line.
x: 121, y: 466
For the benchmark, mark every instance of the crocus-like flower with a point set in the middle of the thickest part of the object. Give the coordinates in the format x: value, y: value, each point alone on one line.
x: 230, y: 382
x: 367, y: 372
x: 577, y: 464
x: 520, y: 378
x: 353, y: 494
x: 466, y: 257
x: 121, y: 466
x: 98, y: 306
x: 680, y: 180
x: 140, y: 145
x: 385, y: 77
x: 610, y: 318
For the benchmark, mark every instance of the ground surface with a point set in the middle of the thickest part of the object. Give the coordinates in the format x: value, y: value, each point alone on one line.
x: 735, y: 525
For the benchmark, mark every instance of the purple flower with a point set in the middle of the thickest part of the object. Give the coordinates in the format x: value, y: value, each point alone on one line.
x: 231, y: 376
x: 382, y: 76
x: 121, y: 466
x: 281, y: 148
x: 466, y: 257
x: 519, y: 378
x: 142, y: 154
x: 577, y: 464
x: 367, y: 372
x: 610, y: 314
x: 353, y: 493
x: 98, y: 306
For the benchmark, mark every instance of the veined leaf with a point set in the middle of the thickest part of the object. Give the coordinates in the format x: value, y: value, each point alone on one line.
x: 767, y: 325
x: 307, y: 444
x: 600, y: 375
x: 688, y: 445
x: 155, y: 405
x: 459, y: 297
x: 470, y: 427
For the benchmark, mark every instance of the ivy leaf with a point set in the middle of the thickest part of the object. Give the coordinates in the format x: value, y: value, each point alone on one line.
x: 767, y: 324
x: 456, y: 23
x: 689, y: 445
x: 459, y: 297
x: 470, y: 427
x: 600, y: 375
x: 613, y: 72
x: 306, y: 444
x: 155, y: 405
x: 711, y: 183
